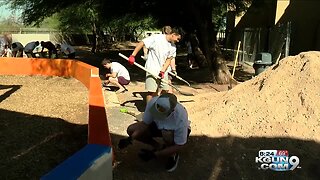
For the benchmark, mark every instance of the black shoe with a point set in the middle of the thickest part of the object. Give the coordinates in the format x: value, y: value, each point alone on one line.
x: 172, y: 162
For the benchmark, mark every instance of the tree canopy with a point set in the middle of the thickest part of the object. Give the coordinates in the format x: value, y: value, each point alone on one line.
x: 204, y: 16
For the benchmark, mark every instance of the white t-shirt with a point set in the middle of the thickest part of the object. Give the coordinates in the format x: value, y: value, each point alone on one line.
x: 159, y: 50
x: 7, y: 53
x: 67, y: 49
x: 19, y: 47
x: 177, y: 121
x: 30, y: 47
x: 120, y: 70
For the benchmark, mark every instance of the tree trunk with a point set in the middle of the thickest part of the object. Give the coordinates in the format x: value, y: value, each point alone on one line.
x: 94, y: 38
x: 221, y: 71
x: 202, y: 15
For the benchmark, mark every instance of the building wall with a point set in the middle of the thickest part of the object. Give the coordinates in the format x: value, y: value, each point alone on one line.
x: 260, y: 14
x: 303, y: 15
x: 305, y: 20
x: 26, y: 38
x: 281, y: 8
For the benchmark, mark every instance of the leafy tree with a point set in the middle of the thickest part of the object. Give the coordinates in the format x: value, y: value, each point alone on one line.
x: 81, y: 19
x: 51, y: 22
x: 201, y: 15
x: 129, y: 26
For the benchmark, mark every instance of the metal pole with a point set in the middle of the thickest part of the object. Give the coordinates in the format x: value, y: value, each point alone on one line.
x: 243, y: 45
x: 286, y: 53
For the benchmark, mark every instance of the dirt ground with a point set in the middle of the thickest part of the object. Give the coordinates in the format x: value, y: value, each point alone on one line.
x: 279, y: 109
x: 276, y: 110
x: 43, y: 121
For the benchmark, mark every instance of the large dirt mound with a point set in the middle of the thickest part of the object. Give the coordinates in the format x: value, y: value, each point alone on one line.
x: 282, y: 101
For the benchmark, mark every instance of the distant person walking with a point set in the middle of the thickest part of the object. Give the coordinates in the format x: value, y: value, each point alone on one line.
x: 30, y: 47
x: 17, y: 49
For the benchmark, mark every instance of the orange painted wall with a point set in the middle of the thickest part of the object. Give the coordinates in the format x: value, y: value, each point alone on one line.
x: 98, y: 131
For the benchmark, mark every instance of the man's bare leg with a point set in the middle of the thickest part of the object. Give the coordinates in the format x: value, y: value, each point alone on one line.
x: 114, y: 81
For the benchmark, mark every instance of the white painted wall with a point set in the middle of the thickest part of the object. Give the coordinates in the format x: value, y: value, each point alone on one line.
x: 26, y: 38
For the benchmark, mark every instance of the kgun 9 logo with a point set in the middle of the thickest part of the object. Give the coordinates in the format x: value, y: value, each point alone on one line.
x: 277, y: 160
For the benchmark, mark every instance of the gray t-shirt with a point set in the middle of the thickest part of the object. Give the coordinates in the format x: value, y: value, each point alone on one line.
x: 177, y: 121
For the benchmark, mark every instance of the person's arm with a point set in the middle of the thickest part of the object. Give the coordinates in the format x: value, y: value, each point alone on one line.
x: 42, y: 48
x: 114, y: 75
x: 9, y: 53
x: 166, y: 64
x: 138, y: 48
x: 132, y: 59
x: 173, y: 64
x: 142, y: 129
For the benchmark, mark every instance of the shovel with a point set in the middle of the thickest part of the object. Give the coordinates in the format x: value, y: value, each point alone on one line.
x: 157, y: 77
x: 178, y: 77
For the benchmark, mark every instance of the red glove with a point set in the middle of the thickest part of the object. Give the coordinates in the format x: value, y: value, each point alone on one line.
x: 131, y: 59
x: 161, y: 74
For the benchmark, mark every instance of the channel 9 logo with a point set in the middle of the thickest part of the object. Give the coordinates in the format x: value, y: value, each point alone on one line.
x: 277, y: 160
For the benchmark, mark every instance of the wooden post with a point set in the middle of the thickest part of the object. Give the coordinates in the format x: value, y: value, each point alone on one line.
x: 236, y: 59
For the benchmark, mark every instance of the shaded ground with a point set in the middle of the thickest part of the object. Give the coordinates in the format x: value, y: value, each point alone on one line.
x: 210, y: 153
x: 205, y: 157
x: 43, y: 121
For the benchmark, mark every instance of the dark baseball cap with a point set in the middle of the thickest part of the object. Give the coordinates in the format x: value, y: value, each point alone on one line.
x: 163, y: 105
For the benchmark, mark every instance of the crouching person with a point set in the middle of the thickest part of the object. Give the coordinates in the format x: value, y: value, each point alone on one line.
x: 119, y: 75
x: 164, y: 117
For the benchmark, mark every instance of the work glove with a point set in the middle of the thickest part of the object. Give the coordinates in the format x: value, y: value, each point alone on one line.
x: 161, y: 74
x: 146, y: 155
x: 174, y: 72
x: 123, y: 143
x: 131, y: 59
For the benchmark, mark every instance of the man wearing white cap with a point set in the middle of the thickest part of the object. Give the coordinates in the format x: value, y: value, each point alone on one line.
x: 164, y: 117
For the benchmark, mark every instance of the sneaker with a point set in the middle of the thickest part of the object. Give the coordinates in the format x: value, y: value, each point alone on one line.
x: 172, y: 162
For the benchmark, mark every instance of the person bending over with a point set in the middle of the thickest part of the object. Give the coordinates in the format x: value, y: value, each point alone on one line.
x: 164, y: 117
x: 119, y: 75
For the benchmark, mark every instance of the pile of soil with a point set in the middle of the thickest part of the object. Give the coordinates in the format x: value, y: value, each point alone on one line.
x: 282, y: 101
x: 279, y: 109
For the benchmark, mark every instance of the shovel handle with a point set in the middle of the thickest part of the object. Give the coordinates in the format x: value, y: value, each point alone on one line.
x: 143, y: 68
x: 178, y: 77
x: 156, y: 76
